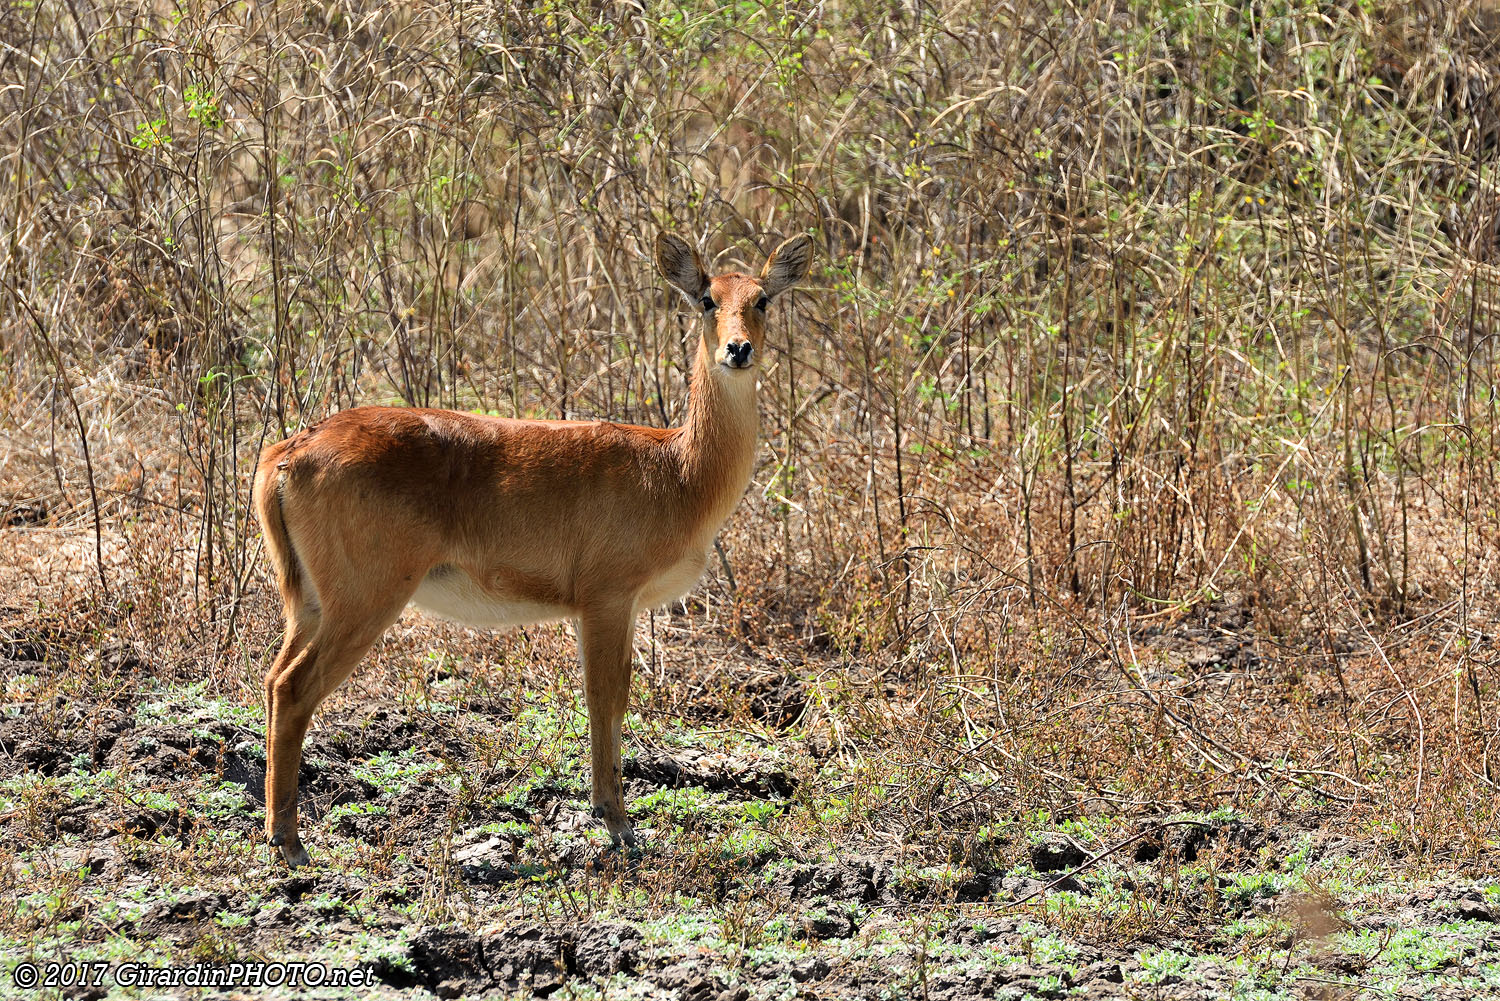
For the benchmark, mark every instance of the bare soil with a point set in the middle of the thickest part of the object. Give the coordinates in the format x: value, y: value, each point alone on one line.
x: 498, y: 886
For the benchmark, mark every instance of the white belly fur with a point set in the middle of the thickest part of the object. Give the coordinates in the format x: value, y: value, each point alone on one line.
x: 674, y: 583
x: 454, y: 595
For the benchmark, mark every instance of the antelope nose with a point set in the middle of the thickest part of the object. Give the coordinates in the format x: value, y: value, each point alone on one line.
x: 739, y: 353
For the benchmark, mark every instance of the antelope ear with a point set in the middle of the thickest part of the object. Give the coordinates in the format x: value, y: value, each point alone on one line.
x: 788, y: 265
x: 680, y: 264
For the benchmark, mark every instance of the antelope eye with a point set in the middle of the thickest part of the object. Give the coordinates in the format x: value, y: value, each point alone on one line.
x: 762, y: 303
x: 708, y: 303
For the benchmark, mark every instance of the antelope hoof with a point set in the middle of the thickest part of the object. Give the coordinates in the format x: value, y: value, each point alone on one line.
x: 295, y: 856
x: 292, y: 853
x: 620, y: 831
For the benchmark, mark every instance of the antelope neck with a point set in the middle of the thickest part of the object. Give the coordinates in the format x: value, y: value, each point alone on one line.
x: 716, y: 449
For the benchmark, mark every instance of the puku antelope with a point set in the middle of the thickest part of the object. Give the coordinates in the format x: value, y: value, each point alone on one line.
x: 498, y: 522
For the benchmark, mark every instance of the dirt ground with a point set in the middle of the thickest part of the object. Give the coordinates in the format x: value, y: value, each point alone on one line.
x: 454, y: 857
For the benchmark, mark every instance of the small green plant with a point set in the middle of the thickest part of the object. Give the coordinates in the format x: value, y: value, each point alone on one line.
x: 151, y: 135
x: 1245, y: 888
x: 1163, y: 965
x: 392, y: 771
x: 203, y: 106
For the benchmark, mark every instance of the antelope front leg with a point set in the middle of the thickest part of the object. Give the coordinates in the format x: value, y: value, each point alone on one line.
x: 604, y: 646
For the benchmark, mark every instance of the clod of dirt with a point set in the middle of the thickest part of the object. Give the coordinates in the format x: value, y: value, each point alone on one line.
x: 494, y: 850
x: 778, y: 702
x: 1189, y: 841
x: 28, y: 647
x: 607, y: 947
x: 41, y: 758
x: 1105, y: 970
x: 453, y: 962
x: 853, y: 880
x: 1056, y: 853
x: 168, y: 917
x: 964, y: 986
x: 297, y: 887
x: 711, y: 770
x: 171, y: 751
x: 145, y: 824
x: 85, y: 992
x: 815, y: 968
x: 688, y: 980
x: 973, y: 889
x: 450, y: 963
x: 528, y: 955
x: 47, y: 745
x: 826, y: 925
x: 1473, y: 907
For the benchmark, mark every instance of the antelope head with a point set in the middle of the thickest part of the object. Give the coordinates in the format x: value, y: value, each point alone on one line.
x: 733, y: 305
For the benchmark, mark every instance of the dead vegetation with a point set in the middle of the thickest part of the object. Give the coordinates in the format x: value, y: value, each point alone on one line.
x: 1132, y: 453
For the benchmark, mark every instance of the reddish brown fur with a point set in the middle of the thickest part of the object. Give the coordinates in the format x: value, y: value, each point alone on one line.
x: 530, y: 519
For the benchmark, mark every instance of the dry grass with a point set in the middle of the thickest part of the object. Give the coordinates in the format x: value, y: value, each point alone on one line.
x: 1133, y: 451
